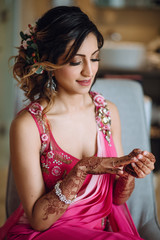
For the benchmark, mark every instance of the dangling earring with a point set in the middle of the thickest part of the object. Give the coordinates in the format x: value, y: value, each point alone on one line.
x: 51, y: 82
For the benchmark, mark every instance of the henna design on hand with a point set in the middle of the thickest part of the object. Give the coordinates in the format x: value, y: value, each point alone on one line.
x: 73, y: 182
x: 123, y: 188
x: 143, y: 166
x: 103, y: 165
x: 98, y: 165
x: 52, y: 206
x: 94, y: 165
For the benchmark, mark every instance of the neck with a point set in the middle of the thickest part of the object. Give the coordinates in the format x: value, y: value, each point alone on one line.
x: 69, y: 103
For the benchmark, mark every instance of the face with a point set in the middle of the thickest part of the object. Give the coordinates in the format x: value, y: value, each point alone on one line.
x: 78, y: 75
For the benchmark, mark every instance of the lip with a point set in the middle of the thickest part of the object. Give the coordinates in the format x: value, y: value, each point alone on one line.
x: 84, y: 82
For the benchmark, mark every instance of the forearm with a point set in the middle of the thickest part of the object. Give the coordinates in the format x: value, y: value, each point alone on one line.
x: 123, y: 188
x: 49, y: 208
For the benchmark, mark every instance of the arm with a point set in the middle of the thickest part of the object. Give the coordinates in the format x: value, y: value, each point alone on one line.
x: 124, y: 185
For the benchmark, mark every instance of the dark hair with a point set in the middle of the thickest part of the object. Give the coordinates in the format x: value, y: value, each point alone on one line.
x: 61, y: 25
x: 54, y: 30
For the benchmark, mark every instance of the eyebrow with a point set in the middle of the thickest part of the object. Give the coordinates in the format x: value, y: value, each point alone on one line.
x: 83, y: 55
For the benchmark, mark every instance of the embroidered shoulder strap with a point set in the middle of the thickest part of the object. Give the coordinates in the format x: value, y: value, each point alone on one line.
x: 103, y: 117
x: 35, y: 110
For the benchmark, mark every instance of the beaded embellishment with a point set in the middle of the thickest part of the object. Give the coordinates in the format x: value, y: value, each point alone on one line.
x: 103, y: 118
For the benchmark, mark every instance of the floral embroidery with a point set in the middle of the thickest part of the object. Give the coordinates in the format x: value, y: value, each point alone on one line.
x: 99, y: 100
x: 103, y: 118
x: 36, y: 109
x: 44, y: 137
x: 50, y: 154
x: 56, y: 171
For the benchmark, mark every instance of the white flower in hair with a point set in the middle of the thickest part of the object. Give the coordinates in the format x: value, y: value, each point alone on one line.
x: 28, y: 31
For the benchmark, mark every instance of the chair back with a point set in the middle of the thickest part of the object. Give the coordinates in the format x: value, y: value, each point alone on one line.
x: 129, y: 99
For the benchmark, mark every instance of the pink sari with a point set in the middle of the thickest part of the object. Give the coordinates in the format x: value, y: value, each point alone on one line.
x: 83, y: 219
x: 91, y: 216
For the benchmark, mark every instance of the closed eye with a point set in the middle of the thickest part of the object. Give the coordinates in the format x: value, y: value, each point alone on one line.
x: 75, y: 63
x: 78, y: 63
x: 95, y: 59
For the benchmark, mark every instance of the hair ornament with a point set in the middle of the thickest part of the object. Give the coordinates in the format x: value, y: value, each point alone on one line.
x: 40, y: 70
x: 30, y: 46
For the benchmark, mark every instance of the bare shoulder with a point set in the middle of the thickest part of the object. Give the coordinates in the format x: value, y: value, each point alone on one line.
x: 22, y: 120
x: 24, y: 125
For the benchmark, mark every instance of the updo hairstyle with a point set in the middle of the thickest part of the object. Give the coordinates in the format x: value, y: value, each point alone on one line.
x: 54, y: 30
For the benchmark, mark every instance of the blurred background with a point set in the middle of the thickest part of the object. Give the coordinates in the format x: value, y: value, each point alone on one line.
x: 131, y: 29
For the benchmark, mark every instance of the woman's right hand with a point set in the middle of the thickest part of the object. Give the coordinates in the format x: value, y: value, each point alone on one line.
x: 102, y: 165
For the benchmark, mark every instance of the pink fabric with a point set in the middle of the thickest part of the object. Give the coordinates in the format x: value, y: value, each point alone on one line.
x: 83, y: 219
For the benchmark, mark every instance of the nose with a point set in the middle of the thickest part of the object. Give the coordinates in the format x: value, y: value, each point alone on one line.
x: 87, y: 69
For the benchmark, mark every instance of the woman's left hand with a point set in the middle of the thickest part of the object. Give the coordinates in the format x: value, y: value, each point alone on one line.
x: 143, y: 166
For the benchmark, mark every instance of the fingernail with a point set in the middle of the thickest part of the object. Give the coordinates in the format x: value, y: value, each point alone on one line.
x: 135, y: 160
x: 140, y: 157
x: 133, y: 164
x: 120, y: 172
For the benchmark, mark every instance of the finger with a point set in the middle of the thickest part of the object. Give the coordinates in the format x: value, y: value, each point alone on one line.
x: 135, y: 152
x: 124, y: 174
x: 146, y: 162
x: 149, y: 156
x: 143, y: 159
x: 125, y: 160
x: 145, y: 169
x: 118, y: 171
x: 138, y: 171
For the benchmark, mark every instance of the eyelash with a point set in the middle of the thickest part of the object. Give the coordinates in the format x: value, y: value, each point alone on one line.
x: 78, y: 63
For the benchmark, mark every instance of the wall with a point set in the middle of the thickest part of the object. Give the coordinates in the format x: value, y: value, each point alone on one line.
x: 14, y: 17
x: 6, y: 83
x: 31, y: 10
x: 133, y: 24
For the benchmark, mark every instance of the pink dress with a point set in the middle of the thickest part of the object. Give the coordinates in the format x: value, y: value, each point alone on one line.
x: 92, y: 215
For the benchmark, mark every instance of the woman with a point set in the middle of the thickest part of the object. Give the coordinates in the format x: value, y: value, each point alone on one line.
x: 71, y: 175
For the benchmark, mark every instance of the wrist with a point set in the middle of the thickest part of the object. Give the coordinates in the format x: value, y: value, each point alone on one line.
x: 127, y: 176
x: 72, y: 183
x: 81, y: 168
x: 123, y: 188
x: 62, y: 197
